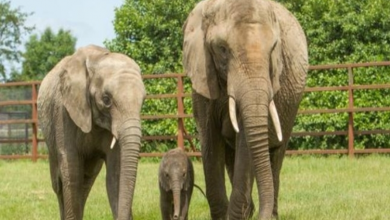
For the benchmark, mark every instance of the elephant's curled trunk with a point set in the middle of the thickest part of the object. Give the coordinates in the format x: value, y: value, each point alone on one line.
x: 129, y: 137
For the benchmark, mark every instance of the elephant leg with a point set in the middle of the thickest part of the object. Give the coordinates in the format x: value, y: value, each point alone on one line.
x: 60, y: 198
x: 186, y: 199
x: 57, y: 186
x: 92, y: 168
x: 241, y: 205
x: 56, y: 179
x: 166, y: 205
x: 277, y: 157
x: 71, y: 181
x: 230, y: 138
x: 112, y: 179
x: 184, y: 205
x: 229, y: 160
x: 213, y: 157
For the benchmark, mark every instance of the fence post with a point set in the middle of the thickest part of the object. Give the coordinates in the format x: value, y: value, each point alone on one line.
x: 180, y: 109
x: 34, y: 123
x: 351, y: 148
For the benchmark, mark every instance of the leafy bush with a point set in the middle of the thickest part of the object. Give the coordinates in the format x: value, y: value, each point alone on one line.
x: 15, y: 149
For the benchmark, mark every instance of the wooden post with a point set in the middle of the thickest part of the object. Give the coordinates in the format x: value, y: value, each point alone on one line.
x: 180, y: 109
x: 34, y: 123
x: 351, y: 138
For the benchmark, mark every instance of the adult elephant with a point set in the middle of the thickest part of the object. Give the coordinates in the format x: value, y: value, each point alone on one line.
x: 246, y: 60
x: 89, y: 110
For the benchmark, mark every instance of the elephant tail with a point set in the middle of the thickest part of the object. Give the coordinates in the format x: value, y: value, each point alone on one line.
x: 200, y: 189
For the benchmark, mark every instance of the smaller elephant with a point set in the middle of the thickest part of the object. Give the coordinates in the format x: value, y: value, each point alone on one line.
x: 176, y: 182
x: 87, y: 101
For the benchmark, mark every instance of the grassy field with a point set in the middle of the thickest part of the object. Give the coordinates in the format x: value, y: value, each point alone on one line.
x: 312, y: 188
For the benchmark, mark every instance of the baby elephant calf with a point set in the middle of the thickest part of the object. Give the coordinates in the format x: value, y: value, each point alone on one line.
x: 176, y: 181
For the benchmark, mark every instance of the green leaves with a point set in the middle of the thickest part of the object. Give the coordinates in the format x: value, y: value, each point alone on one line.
x: 344, y: 31
x: 44, y: 52
x: 12, y: 29
x: 151, y: 33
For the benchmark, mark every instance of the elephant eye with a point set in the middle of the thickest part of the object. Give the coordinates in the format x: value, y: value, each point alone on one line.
x: 167, y: 175
x: 184, y: 175
x: 106, y: 101
x: 223, y: 49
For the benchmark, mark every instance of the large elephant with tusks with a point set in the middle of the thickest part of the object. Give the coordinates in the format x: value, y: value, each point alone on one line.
x: 247, y: 60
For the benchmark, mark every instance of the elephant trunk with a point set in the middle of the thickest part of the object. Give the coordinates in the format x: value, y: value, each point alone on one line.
x: 129, y: 137
x: 176, y: 190
x: 253, y: 104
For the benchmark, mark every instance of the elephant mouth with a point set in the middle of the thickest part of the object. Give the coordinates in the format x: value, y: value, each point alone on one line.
x: 114, y: 131
x: 272, y: 110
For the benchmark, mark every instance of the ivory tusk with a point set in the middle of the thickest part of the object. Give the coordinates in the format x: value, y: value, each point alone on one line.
x: 275, y: 120
x: 232, y: 114
x: 113, y: 142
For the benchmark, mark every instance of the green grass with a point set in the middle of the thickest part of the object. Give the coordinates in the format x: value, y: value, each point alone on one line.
x: 311, y: 188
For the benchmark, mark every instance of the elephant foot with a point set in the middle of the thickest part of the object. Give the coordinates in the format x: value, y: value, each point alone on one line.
x: 246, y: 212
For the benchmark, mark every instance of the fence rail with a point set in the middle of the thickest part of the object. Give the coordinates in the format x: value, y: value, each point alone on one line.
x: 182, y: 134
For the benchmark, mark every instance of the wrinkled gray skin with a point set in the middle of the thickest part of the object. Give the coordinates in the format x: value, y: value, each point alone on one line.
x: 253, y: 51
x: 176, y: 182
x: 84, y: 101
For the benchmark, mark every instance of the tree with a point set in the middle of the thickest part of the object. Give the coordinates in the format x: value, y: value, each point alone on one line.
x: 44, y: 52
x: 12, y: 29
x: 344, y: 31
x: 151, y: 33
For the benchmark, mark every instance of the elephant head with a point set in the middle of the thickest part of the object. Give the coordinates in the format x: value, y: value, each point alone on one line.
x: 229, y: 44
x: 236, y: 48
x: 100, y: 89
x: 176, y: 174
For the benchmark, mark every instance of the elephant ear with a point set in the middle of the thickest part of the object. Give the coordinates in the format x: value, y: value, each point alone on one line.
x: 276, y: 62
x: 276, y: 66
x: 162, y: 179
x: 197, y: 60
x: 74, y: 85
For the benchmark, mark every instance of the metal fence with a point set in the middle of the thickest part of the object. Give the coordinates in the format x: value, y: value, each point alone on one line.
x: 29, y: 122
